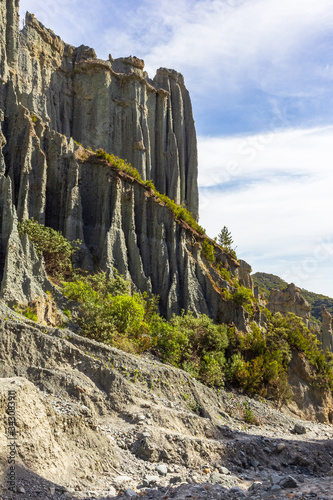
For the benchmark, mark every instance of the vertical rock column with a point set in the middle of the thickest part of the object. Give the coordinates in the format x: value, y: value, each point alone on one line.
x: 181, y: 159
x: 12, y: 30
x: 9, y: 33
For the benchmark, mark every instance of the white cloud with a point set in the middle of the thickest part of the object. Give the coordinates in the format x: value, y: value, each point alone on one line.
x: 214, y: 42
x: 276, y: 200
x: 258, y: 39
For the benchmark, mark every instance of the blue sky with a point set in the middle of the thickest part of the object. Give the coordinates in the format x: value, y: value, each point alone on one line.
x: 260, y: 75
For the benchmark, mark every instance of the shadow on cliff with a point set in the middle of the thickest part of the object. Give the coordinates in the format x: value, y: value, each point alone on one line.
x: 284, y: 455
x: 29, y: 485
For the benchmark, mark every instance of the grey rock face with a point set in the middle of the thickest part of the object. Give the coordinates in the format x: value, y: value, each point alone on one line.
x: 289, y: 300
x: 23, y: 274
x: 244, y: 274
x: 119, y: 220
x: 112, y: 105
x: 326, y: 336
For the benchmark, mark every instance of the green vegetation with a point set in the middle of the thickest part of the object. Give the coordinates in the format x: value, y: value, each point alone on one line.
x: 225, y: 274
x: 243, y: 296
x: 196, y: 345
x: 55, y: 248
x: 248, y: 415
x: 67, y: 313
x: 122, y: 165
x: 258, y: 362
x: 208, y: 251
x: 224, y: 240
x: 29, y: 312
x: 317, y: 301
x: 33, y: 118
x: 180, y: 212
x: 267, y: 282
x: 109, y: 312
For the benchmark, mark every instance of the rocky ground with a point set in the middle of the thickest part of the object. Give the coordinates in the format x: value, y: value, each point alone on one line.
x: 93, y: 422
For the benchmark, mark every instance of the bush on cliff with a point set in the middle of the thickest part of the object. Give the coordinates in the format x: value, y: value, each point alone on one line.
x: 55, y: 248
x: 208, y: 251
x: 258, y: 361
x: 110, y: 312
x: 196, y: 345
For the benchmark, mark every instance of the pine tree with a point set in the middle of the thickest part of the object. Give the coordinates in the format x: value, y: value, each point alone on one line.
x: 224, y: 239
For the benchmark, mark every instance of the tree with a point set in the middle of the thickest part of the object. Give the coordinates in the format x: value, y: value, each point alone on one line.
x: 224, y: 239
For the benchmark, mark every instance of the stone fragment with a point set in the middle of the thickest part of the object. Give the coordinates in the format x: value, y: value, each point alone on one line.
x: 299, y: 429
x: 275, y: 478
x: 238, y: 492
x: 122, y: 479
x: 215, y: 477
x: 176, y: 479
x: 288, y: 482
x: 130, y: 493
x: 161, y: 469
x: 150, y: 479
x: 280, y: 447
x: 256, y: 486
x: 224, y: 470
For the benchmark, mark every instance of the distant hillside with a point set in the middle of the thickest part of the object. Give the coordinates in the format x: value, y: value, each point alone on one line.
x: 267, y: 282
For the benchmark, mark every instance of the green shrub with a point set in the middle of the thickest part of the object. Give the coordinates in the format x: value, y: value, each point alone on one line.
x: 226, y: 294
x: 243, y: 296
x: 122, y: 165
x: 109, y: 312
x: 208, y: 251
x: 55, y: 248
x: 258, y: 361
x: 225, y: 274
x: 196, y: 345
x: 249, y: 417
x: 29, y: 312
x: 67, y: 313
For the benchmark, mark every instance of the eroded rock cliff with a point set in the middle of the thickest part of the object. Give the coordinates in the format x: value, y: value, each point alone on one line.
x: 50, y: 92
x: 289, y: 300
x: 112, y: 105
x: 326, y: 334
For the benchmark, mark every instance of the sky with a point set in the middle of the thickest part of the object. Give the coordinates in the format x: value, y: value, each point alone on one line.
x: 260, y: 76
